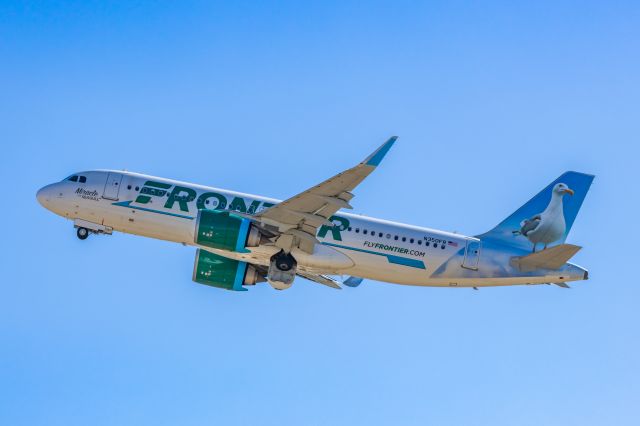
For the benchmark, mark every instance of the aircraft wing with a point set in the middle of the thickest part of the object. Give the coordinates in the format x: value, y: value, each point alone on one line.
x: 330, y: 281
x: 299, y: 217
x: 321, y: 279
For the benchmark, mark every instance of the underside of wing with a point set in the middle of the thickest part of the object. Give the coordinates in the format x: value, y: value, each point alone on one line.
x: 321, y: 279
x: 330, y: 281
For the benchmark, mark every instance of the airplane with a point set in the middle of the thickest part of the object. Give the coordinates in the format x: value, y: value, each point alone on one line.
x: 243, y: 239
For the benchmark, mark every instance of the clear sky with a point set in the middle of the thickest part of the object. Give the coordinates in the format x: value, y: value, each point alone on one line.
x: 491, y: 101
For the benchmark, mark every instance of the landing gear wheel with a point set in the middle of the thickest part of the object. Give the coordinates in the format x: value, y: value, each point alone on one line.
x: 284, y: 261
x: 82, y: 233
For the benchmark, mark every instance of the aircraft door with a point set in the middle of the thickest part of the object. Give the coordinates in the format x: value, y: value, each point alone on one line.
x: 472, y: 254
x: 112, y: 186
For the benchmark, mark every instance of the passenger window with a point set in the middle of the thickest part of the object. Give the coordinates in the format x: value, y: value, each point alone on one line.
x: 128, y: 186
x: 435, y: 245
x: 349, y: 229
x: 137, y: 188
x: 357, y: 230
x: 388, y: 235
x: 404, y: 239
x: 73, y: 178
x: 427, y: 244
x: 364, y: 231
x: 380, y: 234
x: 419, y: 242
x: 411, y: 241
x: 395, y: 238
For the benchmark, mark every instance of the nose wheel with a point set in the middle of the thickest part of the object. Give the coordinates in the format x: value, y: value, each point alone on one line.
x: 82, y: 233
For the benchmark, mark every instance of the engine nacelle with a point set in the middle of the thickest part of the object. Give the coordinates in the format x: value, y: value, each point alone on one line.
x: 282, y: 270
x: 225, y: 231
x: 218, y: 271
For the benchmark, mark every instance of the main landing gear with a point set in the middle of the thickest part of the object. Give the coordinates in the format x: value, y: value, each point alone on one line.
x: 82, y: 233
x: 284, y: 261
x: 282, y: 270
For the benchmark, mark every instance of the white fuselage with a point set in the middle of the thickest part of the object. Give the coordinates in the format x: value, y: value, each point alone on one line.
x: 357, y: 245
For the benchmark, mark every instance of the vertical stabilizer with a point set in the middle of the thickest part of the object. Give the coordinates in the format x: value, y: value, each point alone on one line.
x: 547, y: 218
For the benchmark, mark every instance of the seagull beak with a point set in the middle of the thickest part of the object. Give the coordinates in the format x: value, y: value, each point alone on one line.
x: 569, y: 191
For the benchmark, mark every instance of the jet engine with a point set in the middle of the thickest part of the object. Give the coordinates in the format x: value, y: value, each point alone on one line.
x: 282, y: 270
x: 221, y: 272
x: 226, y: 231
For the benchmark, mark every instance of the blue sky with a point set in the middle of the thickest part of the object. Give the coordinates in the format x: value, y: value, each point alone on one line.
x: 492, y: 101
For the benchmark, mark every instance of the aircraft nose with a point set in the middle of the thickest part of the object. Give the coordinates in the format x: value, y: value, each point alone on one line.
x: 43, y: 195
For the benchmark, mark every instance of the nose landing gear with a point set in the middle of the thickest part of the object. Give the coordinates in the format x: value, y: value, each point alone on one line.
x: 84, y: 228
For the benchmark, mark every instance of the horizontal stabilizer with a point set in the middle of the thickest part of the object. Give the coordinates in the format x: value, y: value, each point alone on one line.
x: 551, y: 258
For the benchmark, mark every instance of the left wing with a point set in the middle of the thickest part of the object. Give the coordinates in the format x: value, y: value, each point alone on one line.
x: 321, y: 279
x: 329, y: 281
x: 298, y: 218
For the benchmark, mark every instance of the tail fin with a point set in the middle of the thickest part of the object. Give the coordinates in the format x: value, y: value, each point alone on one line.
x: 546, y: 218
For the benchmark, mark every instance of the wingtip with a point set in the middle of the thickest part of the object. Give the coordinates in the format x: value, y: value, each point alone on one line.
x: 377, y: 156
x: 353, y: 281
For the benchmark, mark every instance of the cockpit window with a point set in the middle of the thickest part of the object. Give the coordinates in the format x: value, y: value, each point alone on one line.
x: 82, y: 179
x: 73, y: 178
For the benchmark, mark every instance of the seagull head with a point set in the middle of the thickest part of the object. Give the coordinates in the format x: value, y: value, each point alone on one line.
x: 562, y: 189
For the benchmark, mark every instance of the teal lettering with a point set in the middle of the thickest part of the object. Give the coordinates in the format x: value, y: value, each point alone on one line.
x: 253, y: 207
x: 238, y: 205
x: 201, y: 204
x: 182, y: 195
x: 339, y: 224
x: 150, y: 189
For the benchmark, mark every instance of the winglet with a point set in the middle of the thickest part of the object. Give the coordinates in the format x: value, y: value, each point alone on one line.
x: 375, y: 158
x: 353, y: 281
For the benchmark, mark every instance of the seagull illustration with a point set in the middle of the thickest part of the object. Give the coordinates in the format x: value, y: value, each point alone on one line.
x: 548, y: 226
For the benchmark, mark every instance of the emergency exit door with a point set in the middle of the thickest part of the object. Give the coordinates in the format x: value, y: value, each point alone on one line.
x: 112, y: 186
x: 472, y: 254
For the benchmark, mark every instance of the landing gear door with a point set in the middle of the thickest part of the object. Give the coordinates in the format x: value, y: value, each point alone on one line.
x: 472, y: 254
x: 112, y: 186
